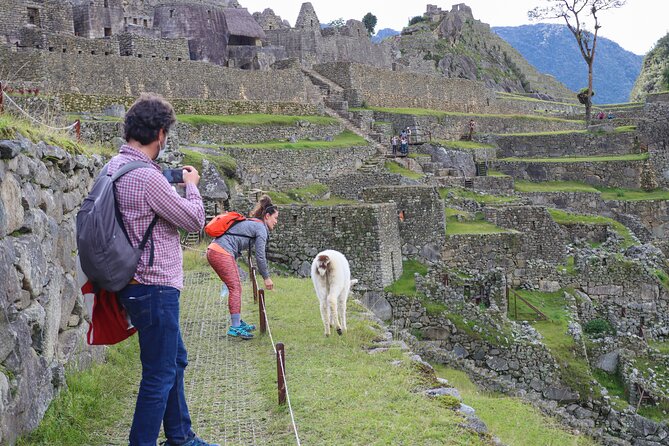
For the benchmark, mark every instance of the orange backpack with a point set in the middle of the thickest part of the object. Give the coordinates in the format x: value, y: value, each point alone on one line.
x: 220, y: 224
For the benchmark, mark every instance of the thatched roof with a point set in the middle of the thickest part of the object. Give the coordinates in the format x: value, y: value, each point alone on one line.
x: 241, y: 23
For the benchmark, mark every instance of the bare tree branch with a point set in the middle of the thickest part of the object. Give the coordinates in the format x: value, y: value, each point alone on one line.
x: 578, y: 14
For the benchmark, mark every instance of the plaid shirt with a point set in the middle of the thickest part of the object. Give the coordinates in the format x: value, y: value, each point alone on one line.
x: 143, y: 193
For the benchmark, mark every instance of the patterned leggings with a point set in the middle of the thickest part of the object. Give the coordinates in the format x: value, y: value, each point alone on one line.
x: 225, y: 266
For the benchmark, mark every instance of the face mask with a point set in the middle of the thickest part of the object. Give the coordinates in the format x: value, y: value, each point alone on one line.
x: 161, y: 152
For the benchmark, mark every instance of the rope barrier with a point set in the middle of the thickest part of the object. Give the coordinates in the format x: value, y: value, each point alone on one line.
x: 35, y: 119
x: 271, y: 338
x: 281, y: 359
x: 290, y: 407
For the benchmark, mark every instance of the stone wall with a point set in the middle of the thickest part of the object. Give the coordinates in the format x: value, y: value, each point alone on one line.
x: 42, y: 329
x: 421, y: 217
x: 311, y: 45
x: 623, y: 174
x: 289, y: 168
x: 70, y: 102
x: 50, y: 16
x: 654, y: 134
x: 351, y: 185
x: 145, y: 47
x: 367, y: 234
x: 535, y: 106
x: 625, y: 293
x: 386, y: 88
x: 497, y: 185
x: 567, y: 144
x: 85, y: 74
x: 523, y: 255
x: 542, y: 237
x: 98, y: 18
x: 454, y: 126
x: 653, y: 214
x: 230, y: 134
x: 73, y: 45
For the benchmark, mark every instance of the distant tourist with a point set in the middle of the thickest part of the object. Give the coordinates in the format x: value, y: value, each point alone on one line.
x: 472, y: 125
x: 610, y: 116
x: 404, y: 145
x: 394, y: 143
x: 601, y: 115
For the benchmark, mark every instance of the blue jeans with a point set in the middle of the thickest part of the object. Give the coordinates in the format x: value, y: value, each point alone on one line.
x: 154, y: 311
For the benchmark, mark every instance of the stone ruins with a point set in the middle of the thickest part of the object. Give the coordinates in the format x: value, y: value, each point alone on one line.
x: 535, y: 219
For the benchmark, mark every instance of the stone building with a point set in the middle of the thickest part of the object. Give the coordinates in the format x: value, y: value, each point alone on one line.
x: 310, y: 44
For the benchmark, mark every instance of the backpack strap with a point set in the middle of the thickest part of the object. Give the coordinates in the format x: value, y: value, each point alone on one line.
x: 132, y: 165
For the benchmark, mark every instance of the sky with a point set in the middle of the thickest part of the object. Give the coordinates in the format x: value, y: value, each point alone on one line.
x: 635, y: 27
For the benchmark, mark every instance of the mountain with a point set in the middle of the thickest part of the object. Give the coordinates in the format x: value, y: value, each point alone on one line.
x: 552, y: 49
x: 383, y: 33
x: 455, y: 44
x: 654, y: 75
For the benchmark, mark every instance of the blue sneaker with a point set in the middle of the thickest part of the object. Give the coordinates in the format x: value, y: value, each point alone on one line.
x: 247, y: 327
x: 196, y: 441
x: 239, y: 332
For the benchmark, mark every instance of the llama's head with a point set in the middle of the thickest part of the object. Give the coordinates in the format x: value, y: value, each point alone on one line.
x: 323, y: 264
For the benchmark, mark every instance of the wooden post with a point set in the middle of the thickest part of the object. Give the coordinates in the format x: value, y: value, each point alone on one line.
x: 77, y: 129
x: 2, y: 98
x: 280, y: 369
x: 261, y: 309
x: 254, y: 283
x: 515, y: 306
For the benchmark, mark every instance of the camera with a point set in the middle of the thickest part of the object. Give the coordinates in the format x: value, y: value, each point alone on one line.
x: 174, y: 175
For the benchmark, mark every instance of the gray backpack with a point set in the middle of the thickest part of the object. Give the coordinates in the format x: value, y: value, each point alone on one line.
x: 107, y: 257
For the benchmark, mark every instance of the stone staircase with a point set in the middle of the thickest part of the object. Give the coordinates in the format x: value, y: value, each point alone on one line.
x: 337, y: 107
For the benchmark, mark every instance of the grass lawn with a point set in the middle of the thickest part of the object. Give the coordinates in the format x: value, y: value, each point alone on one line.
x: 340, y: 394
x: 563, y: 217
x: 467, y: 145
x: 68, y: 420
x: 494, y: 173
x: 574, y: 369
x: 308, y: 194
x: 224, y: 163
x: 460, y: 193
x: 555, y: 132
x: 633, y: 194
x: 580, y: 159
x: 253, y: 120
x: 553, y: 186
x: 607, y: 193
x: 393, y: 167
x: 344, y: 139
x: 521, y: 423
x: 454, y: 227
x: 406, y: 284
x: 372, y: 402
x: 662, y: 346
x: 10, y: 126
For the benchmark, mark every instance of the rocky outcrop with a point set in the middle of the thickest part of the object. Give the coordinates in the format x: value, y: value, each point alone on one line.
x: 654, y: 72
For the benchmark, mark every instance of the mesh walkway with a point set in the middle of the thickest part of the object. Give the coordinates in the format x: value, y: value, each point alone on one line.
x: 221, y: 376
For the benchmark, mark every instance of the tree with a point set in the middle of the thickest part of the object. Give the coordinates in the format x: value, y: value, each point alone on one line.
x: 369, y: 20
x: 575, y: 14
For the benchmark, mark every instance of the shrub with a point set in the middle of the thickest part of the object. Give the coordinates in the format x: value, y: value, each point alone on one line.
x: 598, y: 327
x: 417, y: 19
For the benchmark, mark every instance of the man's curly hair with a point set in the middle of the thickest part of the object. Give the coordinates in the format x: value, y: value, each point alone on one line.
x: 146, y: 117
